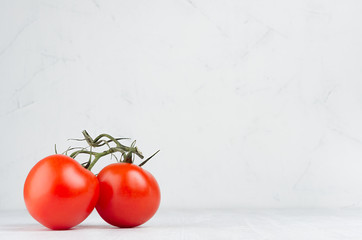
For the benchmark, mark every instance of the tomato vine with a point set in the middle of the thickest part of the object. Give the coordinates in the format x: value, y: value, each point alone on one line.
x: 127, y: 153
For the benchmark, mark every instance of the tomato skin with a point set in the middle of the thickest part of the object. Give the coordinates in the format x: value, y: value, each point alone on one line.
x: 59, y: 193
x: 129, y: 195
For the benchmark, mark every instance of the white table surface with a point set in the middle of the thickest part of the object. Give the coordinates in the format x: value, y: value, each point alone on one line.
x: 247, y: 224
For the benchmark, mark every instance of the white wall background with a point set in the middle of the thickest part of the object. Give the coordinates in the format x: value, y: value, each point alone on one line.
x: 253, y: 103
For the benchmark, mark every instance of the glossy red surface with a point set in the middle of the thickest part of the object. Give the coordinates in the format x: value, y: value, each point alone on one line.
x: 129, y: 195
x: 59, y: 193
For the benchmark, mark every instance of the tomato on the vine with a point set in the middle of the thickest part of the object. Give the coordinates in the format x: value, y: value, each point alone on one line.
x: 59, y: 192
x: 129, y: 195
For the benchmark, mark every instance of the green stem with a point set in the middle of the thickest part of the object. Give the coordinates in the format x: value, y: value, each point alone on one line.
x: 99, y: 155
x: 109, y: 137
x: 97, y: 143
x: 74, y: 154
x: 145, y: 161
x: 119, y: 145
x: 104, y: 139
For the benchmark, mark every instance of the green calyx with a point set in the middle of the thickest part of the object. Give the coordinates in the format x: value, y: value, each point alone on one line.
x: 126, y: 153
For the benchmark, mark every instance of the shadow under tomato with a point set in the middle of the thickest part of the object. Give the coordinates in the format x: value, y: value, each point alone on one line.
x: 23, y: 228
x: 39, y: 228
x: 108, y: 227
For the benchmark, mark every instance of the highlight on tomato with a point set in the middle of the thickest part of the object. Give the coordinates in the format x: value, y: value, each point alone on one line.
x: 60, y: 193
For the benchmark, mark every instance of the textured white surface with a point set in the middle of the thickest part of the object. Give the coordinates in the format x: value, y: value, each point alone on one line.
x: 253, y: 103
x: 264, y: 224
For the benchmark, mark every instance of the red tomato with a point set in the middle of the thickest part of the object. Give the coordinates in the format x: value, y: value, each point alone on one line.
x: 59, y: 193
x: 129, y: 195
